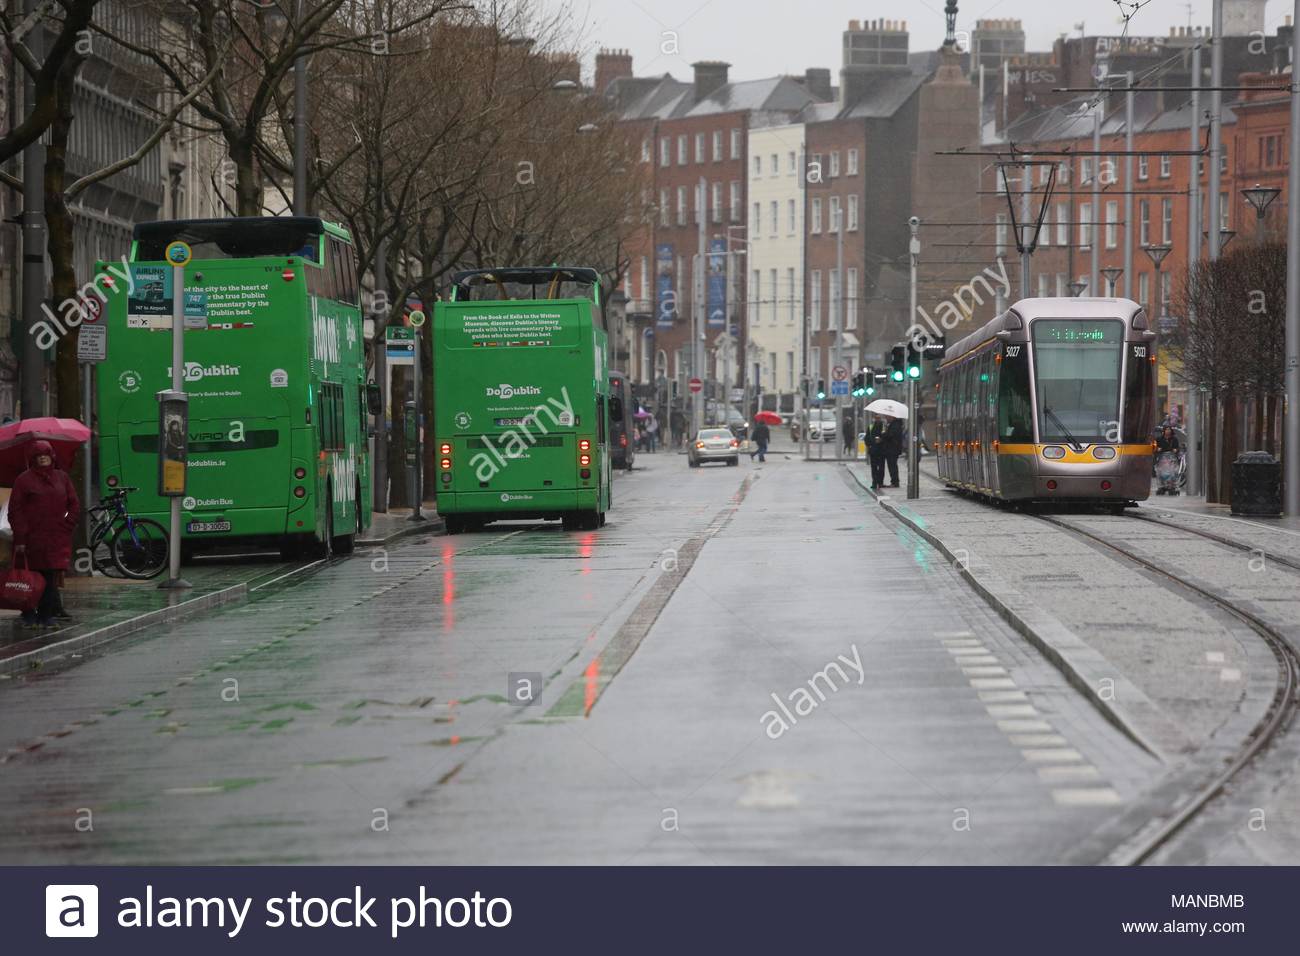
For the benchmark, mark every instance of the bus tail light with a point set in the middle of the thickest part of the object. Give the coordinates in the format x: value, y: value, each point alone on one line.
x: 288, y: 275
x: 585, y: 474
x: 300, y: 473
x: 584, y: 460
x: 445, y: 464
x: 444, y: 448
x: 300, y: 492
x: 1051, y: 485
x: 622, y: 440
x: 584, y: 445
x: 111, y: 481
x: 1105, y: 486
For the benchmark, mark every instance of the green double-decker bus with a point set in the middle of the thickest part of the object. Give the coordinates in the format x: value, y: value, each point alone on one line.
x: 521, y: 398
x: 275, y: 375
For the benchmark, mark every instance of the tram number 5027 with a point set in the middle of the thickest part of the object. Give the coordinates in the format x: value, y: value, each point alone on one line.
x: 1139, y: 351
x: 1013, y: 351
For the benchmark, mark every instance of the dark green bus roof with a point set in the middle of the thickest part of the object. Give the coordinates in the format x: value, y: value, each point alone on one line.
x: 235, y: 237
x: 534, y: 277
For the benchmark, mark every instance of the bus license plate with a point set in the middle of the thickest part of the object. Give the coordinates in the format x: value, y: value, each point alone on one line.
x: 198, y: 527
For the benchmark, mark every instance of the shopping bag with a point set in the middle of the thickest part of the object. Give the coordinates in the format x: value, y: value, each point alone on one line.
x: 21, y: 588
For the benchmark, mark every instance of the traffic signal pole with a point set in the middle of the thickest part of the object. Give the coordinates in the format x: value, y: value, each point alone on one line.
x: 913, y: 442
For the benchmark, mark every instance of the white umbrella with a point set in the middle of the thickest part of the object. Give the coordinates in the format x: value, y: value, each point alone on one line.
x: 888, y: 407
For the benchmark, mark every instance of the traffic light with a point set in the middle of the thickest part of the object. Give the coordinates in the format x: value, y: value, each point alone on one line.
x: 859, y: 384
x: 896, y: 363
x: 821, y: 388
x: 913, y: 361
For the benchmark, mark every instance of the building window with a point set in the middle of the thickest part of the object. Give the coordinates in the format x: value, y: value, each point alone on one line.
x: 853, y: 162
x: 646, y: 154
x: 1223, y: 211
x: 1165, y: 287
x: 1063, y: 172
x: 645, y: 278
x: 1045, y: 234
x: 792, y: 164
x: 665, y: 208
x: 1223, y: 160
x: 834, y: 224
x: 776, y: 295
x: 716, y: 205
x: 1112, y: 224
x: 1062, y: 224
x: 681, y: 205
x: 756, y: 310
x: 717, y: 146
x: 735, y: 201
x: 758, y: 165
x: 1060, y: 284
x: 1085, y: 170
x: 816, y: 216
x: 1000, y: 230
x: 665, y: 151
x: 793, y: 216
x: 758, y: 220
x: 1166, y: 221
x: 699, y: 147
x: 816, y: 310
x: 1144, y: 289
x: 794, y: 297
x: 835, y: 164
x: 1085, y: 225
x: 683, y: 145
x: 776, y: 164
x: 1043, y: 173
x: 735, y: 144
x: 851, y: 302
x: 1144, y: 222
x: 853, y: 213
x: 1042, y: 285
x: 789, y: 371
x: 1166, y: 166
x: 1144, y: 167
x: 776, y: 217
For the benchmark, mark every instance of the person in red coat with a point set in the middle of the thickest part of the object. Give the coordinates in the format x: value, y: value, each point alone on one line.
x: 43, y: 512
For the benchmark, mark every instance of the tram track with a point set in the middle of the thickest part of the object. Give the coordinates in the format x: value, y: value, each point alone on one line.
x: 1143, y: 845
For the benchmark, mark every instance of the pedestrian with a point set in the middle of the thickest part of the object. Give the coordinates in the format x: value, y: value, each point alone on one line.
x: 652, y: 433
x: 677, y: 424
x: 636, y: 437
x: 893, y: 447
x: 761, y: 436
x: 876, y: 452
x: 43, y: 512
x: 846, y: 427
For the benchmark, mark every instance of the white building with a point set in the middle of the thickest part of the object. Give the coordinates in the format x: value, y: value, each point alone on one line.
x: 774, y: 312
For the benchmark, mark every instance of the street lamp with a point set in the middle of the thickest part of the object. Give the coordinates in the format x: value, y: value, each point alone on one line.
x: 1076, y: 287
x: 1225, y: 236
x: 1157, y: 254
x: 1112, y: 274
x: 1260, y: 197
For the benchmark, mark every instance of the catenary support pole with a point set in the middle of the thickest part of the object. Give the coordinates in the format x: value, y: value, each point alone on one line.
x: 1291, y: 439
x: 698, y: 311
x: 1216, y: 133
x: 913, y: 441
x: 1193, y: 421
x: 380, y: 313
x: 1128, y: 187
x: 1094, y: 231
x: 1023, y: 237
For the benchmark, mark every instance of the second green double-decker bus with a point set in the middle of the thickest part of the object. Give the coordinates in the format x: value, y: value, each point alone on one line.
x: 521, y: 398
x: 274, y: 372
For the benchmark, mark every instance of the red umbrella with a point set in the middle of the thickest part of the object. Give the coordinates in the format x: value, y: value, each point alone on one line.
x: 65, y: 435
x: 768, y: 418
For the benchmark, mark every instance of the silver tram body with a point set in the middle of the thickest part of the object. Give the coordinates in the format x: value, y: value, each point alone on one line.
x: 1053, y: 400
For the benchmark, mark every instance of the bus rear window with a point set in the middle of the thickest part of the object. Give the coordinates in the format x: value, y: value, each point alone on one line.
x: 250, y: 238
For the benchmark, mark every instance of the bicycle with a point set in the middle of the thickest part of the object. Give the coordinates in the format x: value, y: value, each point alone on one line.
x: 136, y: 547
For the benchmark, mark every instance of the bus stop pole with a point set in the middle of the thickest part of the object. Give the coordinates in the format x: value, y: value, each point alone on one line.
x: 87, y: 395
x: 174, y: 580
x: 913, y: 440
x: 417, y: 473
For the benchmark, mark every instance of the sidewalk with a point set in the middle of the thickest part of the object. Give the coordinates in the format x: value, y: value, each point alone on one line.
x: 105, y: 608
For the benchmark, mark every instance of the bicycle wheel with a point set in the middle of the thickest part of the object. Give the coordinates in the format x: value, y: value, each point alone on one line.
x: 101, y: 556
x: 140, y: 548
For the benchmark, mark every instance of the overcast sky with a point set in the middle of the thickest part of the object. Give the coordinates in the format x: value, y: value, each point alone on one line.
x: 766, y: 37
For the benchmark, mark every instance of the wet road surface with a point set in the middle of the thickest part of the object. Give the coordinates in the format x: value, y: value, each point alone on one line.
x: 746, y: 665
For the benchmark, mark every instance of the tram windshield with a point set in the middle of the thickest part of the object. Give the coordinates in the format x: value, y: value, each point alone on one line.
x: 1077, y: 365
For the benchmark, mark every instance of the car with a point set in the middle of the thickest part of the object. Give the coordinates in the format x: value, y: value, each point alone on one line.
x: 821, y: 425
x: 713, y: 444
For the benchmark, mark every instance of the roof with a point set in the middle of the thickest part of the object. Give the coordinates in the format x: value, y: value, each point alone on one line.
x: 670, y: 98
x: 887, y: 93
x: 1073, y: 120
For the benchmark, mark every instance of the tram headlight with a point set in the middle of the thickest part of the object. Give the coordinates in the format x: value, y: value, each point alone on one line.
x: 1054, y: 452
x: 1103, y: 453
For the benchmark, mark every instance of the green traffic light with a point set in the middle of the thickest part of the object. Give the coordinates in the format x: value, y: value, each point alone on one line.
x: 898, y: 375
x: 821, y: 394
x: 914, y: 371
x: 870, y: 390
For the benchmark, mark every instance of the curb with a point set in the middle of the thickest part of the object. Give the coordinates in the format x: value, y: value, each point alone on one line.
x: 1081, y: 665
x: 432, y: 523
x: 22, y: 663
